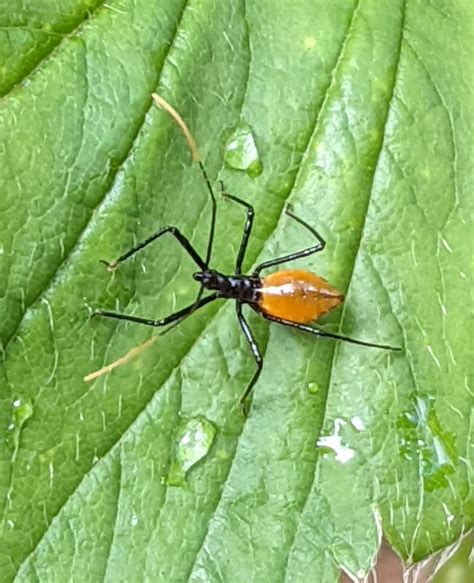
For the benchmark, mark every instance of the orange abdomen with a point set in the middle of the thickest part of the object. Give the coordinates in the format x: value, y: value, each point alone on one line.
x: 297, y: 295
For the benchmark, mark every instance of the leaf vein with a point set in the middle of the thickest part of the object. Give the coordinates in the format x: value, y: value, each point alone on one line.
x: 287, y: 195
x: 452, y: 134
x: 341, y: 320
x: 115, y: 516
x: 57, y: 46
x: 50, y: 283
x: 110, y: 186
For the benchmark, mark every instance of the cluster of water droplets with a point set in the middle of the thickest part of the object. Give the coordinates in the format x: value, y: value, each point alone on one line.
x: 422, y: 437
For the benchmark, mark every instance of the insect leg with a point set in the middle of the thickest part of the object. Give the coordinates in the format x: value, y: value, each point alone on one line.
x: 247, y: 228
x: 256, y: 353
x: 323, y: 333
x: 164, y: 321
x: 299, y: 254
x: 182, y: 240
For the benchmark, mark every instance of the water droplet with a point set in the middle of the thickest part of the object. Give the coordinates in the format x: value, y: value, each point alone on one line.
x: 194, y: 437
x: 22, y: 410
x: 357, y: 423
x: 334, y: 442
x: 134, y: 520
x: 11, y: 524
x: 312, y: 388
x: 422, y: 437
x: 241, y: 151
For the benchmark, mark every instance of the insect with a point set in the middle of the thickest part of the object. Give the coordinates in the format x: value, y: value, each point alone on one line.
x: 291, y: 297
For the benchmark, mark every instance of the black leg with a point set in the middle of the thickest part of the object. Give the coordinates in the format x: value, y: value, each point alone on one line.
x: 256, y: 353
x: 323, y: 333
x: 176, y: 234
x: 299, y: 254
x: 164, y: 321
x: 247, y: 228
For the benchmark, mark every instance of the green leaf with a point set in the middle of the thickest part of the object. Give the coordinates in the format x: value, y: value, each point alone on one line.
x: 358, y: 112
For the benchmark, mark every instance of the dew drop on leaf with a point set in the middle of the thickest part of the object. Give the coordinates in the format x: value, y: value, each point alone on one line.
x: 22, y: 410
x: 312, y: 388
x: 357, y: 423
x: 193, y: 439
x: 241, y: 151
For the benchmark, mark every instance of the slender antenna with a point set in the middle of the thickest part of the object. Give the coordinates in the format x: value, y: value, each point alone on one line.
x: 197, y: 158
x: 160, y: 102
x: 212, y: 228
x: 130, y: 354
x: 122, y: 360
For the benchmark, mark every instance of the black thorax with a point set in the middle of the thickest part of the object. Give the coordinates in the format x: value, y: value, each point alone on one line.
x: 243, y: 288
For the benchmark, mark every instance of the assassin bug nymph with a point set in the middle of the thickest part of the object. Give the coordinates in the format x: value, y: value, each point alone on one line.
x: 292, y: 297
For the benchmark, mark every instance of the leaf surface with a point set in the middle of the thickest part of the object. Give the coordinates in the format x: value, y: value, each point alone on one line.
x: 358, y: 114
